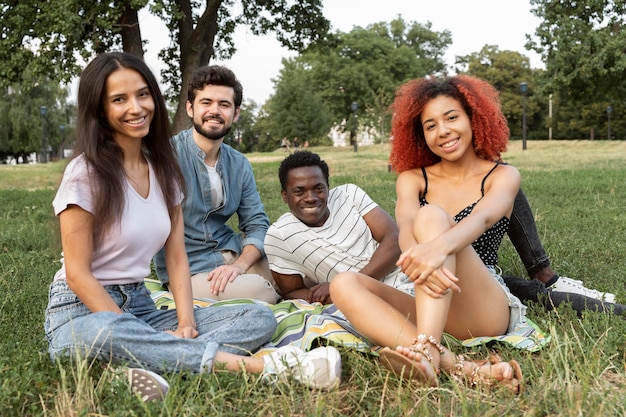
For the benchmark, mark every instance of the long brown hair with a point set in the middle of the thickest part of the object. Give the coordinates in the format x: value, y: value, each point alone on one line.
x: 94, y: 140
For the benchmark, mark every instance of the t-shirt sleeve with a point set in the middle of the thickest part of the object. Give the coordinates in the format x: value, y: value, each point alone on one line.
x: 75, y: 188
x: 279, y: 255
x: 361, y: 201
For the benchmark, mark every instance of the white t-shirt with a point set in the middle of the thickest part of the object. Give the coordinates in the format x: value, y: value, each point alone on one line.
x: 343, y: 243
x: 217, y: 188
x: 125, y: 254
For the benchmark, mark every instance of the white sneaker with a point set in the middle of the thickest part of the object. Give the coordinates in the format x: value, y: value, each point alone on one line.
x: 149, y: 385
x: 566, y: 284
x: 320, y: 368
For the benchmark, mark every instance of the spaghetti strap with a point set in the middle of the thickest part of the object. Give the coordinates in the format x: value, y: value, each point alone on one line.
x: 425, y: 182
x: 482, y: 184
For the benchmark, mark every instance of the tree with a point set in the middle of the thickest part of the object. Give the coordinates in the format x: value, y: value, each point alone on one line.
x: 505, y: 70
x: 365, y: 66
x: 244, y: 134
x: 22, y: 127
x: 297, y: 108
x: 53, y: 38
x: 582, y: 45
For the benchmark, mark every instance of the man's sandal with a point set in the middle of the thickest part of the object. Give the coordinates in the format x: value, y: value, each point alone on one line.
x: 420, y: 368
x: 477, y: 378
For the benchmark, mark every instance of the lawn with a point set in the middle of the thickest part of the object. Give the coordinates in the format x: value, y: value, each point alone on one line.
x: 577, y: 191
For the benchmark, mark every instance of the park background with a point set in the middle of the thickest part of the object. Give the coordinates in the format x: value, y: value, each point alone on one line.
x: 575, y: 185
x: 558, y: 65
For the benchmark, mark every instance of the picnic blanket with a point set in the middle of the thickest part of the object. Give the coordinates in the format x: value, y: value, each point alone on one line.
x: 307, y: 325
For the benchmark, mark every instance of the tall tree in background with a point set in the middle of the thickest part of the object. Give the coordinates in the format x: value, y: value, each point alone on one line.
x: 505, y: 70
x: 297, y: 108
x: 582, y: 46
x: 53, y: 38
x: 21, y: 125
x: 364, y: 66
x: 244, y: 135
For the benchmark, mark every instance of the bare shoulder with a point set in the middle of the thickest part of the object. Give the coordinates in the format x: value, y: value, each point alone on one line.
x: 508, y: 171
x: 411, y: 176
x: 506, y: 176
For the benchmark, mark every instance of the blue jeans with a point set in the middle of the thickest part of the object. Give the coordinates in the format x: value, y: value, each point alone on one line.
x: 137, y: 337
x: 525, y: 238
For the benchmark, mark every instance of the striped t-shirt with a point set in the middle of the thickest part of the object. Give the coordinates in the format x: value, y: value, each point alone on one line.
x: 343, y: 243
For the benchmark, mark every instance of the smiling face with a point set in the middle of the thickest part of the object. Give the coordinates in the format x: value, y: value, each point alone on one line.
x: 306, y: 194
x: 213, y: 111
x: 447, y: 127
x: 128, y: 105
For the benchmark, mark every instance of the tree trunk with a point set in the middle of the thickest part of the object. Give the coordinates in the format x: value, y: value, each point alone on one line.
x: 196, y: 49
x: 131, y: 33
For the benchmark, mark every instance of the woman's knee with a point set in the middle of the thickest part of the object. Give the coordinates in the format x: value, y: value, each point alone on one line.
x: 343, y: 285
x: 430, y: 221
x: 250, y: 318
x: 260, y: 321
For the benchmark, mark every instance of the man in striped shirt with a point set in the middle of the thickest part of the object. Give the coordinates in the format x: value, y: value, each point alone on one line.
x: 328, y: 231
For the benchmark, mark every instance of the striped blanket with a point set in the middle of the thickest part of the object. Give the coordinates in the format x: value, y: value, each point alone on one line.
x: 307, y: 325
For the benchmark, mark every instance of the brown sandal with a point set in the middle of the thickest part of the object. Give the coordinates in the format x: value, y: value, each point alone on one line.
x: 477, y: 378
x: 419, y: 368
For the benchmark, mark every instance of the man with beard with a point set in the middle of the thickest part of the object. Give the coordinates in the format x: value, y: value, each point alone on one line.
x: 219, y: 180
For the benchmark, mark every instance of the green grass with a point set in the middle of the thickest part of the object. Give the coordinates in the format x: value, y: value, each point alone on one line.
x: 577, y: 191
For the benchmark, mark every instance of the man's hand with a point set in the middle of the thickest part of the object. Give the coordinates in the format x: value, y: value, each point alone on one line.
x: 222, y: 275
x: 320, y: 293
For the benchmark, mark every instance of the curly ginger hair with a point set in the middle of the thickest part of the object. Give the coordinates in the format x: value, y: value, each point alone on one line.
x: 479, y: 99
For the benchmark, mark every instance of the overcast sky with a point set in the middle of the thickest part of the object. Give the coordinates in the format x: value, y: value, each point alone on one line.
x: 473, y: 24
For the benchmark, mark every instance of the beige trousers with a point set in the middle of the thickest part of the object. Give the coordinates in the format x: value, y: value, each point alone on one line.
x: 256, y: 284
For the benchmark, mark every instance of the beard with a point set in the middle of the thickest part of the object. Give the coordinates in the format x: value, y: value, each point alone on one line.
x: 212, y: 134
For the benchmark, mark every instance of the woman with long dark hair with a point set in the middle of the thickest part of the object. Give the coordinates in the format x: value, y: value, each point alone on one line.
x: 119, y: 203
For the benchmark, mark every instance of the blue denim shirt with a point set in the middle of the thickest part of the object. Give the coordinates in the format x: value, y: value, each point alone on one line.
x: 206, y: 232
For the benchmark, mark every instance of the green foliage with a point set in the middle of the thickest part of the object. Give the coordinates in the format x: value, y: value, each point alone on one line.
x: 198, y: 33
x: 577, y: 200
x: 505, y: 70
x: 297, y: 108
x: 51, y: 39
x: 582, y: 45
x: 365, y: 66
x: 244, y: 135
x: 21, y: 125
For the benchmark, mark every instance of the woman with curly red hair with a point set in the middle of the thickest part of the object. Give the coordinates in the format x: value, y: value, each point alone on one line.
x: 489, y: 127
x: 454, y: 201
